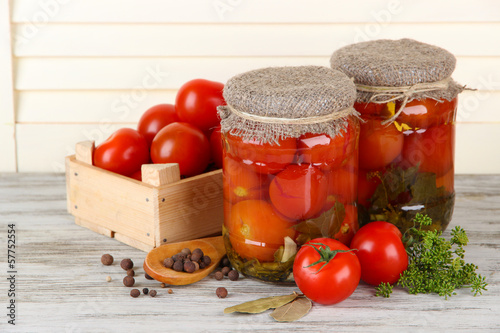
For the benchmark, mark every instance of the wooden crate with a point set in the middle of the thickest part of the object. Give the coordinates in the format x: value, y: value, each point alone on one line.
x: 162, y: 208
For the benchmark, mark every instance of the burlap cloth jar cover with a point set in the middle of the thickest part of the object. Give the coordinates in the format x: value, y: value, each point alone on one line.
x: 401, y: 71
x: 268, y: 112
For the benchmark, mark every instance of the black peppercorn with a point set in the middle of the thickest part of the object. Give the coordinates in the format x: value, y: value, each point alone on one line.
x: 145, y: 291
x: 189, y: 267
x: 147, y: 276
x: 135, y: 293
x: 128, y: 281
x: 168, y: 262
x: 130, y: 272
x: 233, y: 275
x: 107, y: 259
x: 127, y: 264
x: 178, y: 266
x: 221, y: 292
x: 206, y: 260
x: 218, y: 275
x: 152, y: 293
x: 226, y: 270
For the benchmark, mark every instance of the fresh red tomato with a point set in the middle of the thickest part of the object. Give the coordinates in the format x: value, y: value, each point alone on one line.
x: 216, y: 146
x: 325, y: 272
x: 263, y: 157
x: 432, y: 149
x: 123, y: 152
x: 381, y: 252
x: 379, y: 144
x: 299, y: 192
x: 154, y: 119
x: 182, y: 143
x: 256, y: 231
x: 196, y: 103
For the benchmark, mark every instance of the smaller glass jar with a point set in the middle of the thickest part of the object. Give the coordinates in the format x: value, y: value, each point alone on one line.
x: 408, y: 104
x: 298, y: 185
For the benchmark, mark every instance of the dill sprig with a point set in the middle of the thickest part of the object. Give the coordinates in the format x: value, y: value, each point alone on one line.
x: 435, y: 264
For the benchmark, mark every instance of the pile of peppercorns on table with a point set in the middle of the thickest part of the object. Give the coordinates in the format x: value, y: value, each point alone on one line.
x: 185, y: 261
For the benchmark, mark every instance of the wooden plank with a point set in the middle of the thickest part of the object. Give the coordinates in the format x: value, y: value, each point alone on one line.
x: 190, y: 208
x: 160, y: 174
x: 66, y: 258
x: 142, y: 74
x: 8, y: 162
x: 88, y: 106
x: 257, y: 11
x: 242, y: 40
x: 146, y: 247
x: 114, y: 202
x: 84, y: 152
x: 94, y: 227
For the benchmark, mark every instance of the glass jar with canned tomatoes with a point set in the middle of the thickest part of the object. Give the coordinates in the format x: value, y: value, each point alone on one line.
x: 290, y: 159
x: 408, y: 104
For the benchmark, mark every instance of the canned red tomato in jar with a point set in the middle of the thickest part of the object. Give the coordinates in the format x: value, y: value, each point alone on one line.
x: 290, y: 138
x: 408, y: 104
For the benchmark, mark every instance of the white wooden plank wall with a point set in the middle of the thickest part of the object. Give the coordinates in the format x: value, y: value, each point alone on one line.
x: 79, y: 69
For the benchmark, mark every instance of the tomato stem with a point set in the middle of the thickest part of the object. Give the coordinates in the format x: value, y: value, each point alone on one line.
x: 326, y: 254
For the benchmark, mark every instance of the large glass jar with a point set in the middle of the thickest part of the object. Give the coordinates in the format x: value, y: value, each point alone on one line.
x: 408, y: 104
x: 297, y: 187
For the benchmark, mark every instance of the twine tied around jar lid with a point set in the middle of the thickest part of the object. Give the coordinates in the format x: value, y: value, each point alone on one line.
x: 273, y: 103
x: 389, y: 70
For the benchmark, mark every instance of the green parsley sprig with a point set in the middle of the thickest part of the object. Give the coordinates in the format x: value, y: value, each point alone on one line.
x: 435, y: 264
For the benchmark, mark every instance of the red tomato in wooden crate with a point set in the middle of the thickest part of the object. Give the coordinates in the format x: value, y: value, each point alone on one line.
x: 154, y: 119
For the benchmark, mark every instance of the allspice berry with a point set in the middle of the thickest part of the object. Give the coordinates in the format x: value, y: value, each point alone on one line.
x: 206, y: 260
x: 178, y: 266
x: 126, y: 264
x: 163, y: 285
x: 145, y: 291
x: 233, y: 275
x: 128, y: 281
x: 197, y: 254
x: 107, y: 259
x: 168, y: 262
x: 225, y: 262
x: 152, y: 293
x: 186, y: 251
x: 135, y: 293
x: 170, y: 291
x: 130, y: 272
x: 221, y: 292
x: 189, y: 267
x: 218, y: 275
x: 226, y: 270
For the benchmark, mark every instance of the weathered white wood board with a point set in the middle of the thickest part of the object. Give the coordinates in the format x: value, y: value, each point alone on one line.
x: 61, y: 284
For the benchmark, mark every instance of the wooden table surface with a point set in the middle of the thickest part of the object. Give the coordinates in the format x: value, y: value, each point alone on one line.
x: 61, y: 284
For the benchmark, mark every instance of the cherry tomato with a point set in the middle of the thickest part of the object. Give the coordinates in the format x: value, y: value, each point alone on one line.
x: 379, y: 144
x: 196, y: 103
x: 427, y: 113
x: 154, y: 119
x: 326, y: 282
x: 326, y: 152
x: 123, y: 152
x: 349, y: 226
x: 381, y: 252
x: 299, y: 192
x: 256, y: 231
x: 432, y: 149
x: 182, y: 143
x: 342, y: 184
x: 241, y: 183
x: 216, y: 146
x: 366, y: 187
x: 263, y: 157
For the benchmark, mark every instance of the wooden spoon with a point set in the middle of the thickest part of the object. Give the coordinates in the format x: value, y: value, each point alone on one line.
x: 153, y: 264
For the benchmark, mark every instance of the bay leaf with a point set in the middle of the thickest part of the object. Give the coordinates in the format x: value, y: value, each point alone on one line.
x: 293, y: 310
x: 261, y: 304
